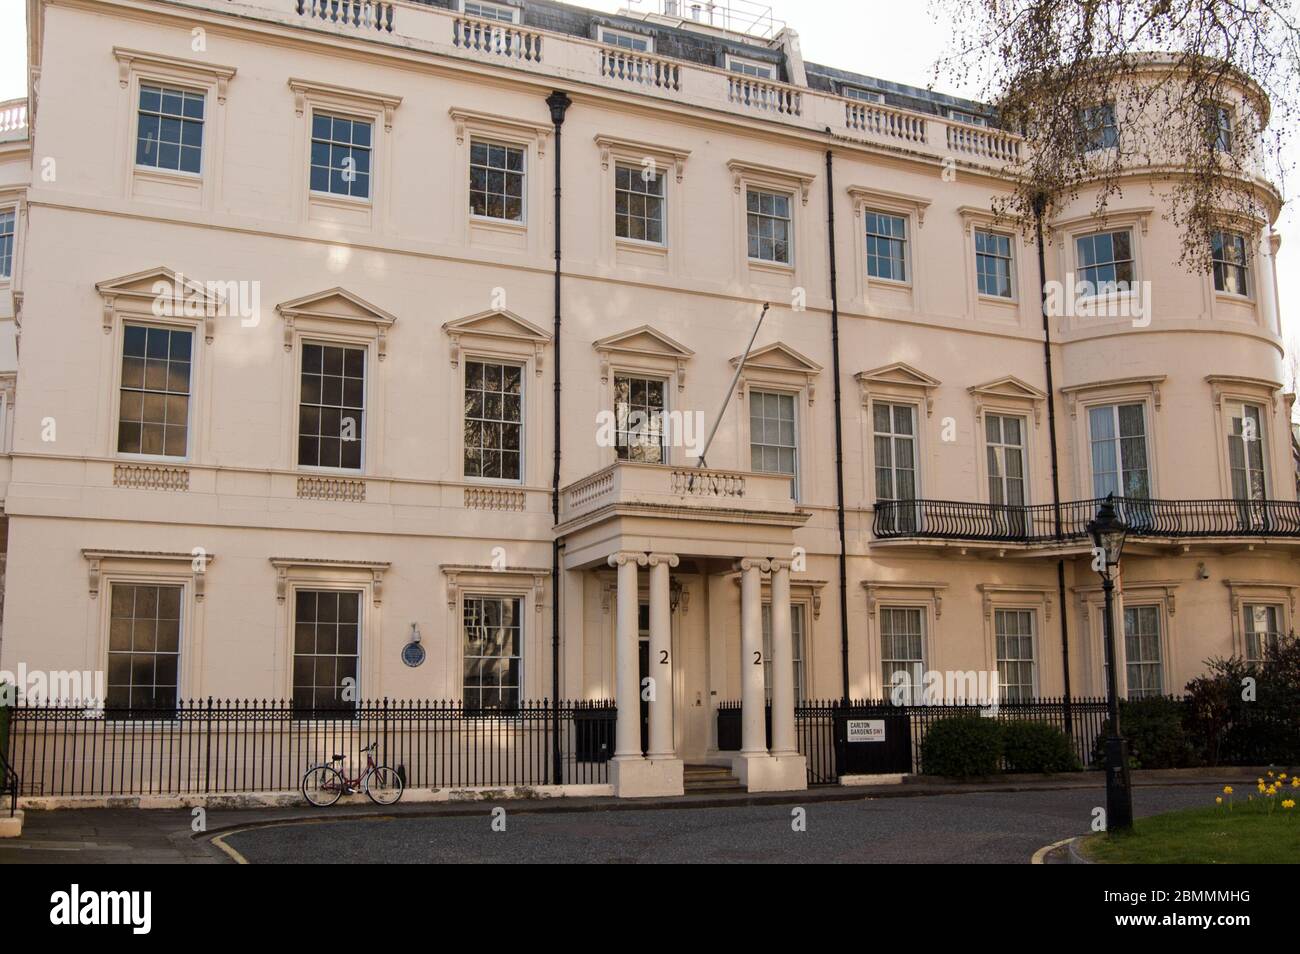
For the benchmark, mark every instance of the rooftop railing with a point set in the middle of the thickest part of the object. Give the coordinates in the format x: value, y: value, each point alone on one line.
x: 1000, y: 523
x: 439, y: 31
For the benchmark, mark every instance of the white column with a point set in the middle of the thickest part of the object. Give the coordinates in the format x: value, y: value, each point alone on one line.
x: 783, y: 740
x: 627, y: 729
x: 661, y: 660
x: 753, y: 735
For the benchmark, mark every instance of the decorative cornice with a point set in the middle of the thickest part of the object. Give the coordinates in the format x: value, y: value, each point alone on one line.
x: 314, y: 306
x: 989, y: 590
x: 195, y: 299
x: 128, y: 59
x: 897, y: 375
x: 489, y: 122
x: 1008, y: 388
x: 1151, y: 383
x: 888, y: 201
x: 612, y: 146
x: 285, y: 566
x: 304, y: 90
x: 455, y: 574
x: 620, y: 343
x: 1221, y: 384
x: 741, y: 170
x: 480, y: 326
x: 934, y: 589
x: 198, y: 559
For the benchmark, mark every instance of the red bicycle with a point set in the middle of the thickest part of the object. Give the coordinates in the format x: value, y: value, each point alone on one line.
x: 322, y: 785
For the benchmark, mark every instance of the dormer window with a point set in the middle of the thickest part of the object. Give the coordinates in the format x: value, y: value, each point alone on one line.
x: 489, y: 11
x: 628, y: 41
x: 865, y: 95
x: 746, y: 67
x: 970, y: 119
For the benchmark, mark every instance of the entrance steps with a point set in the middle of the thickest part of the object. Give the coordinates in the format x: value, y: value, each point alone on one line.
x: 711, y: 779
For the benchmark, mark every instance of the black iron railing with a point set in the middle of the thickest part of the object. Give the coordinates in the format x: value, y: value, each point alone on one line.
x: 228, y: 747
x: 815, y: 725
x: 962, y: 520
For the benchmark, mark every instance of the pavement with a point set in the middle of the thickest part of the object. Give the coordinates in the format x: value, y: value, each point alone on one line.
x: 933, y: 822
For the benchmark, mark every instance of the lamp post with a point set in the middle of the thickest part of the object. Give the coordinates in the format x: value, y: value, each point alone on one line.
x: 1107, y: 532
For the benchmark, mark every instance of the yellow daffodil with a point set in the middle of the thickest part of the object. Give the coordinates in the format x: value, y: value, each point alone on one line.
x: 1218, y: 799
x: 1289, y: 804
x: 1270, y: 774
x: 1227, y: 790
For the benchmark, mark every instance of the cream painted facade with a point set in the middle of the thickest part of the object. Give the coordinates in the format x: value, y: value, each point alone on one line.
x: 426, y: 291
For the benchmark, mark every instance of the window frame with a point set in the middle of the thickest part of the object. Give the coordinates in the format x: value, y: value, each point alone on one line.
x: 109, y: 584
x: 766, y: 190
x: 661, y: 175
x: 8, y: 208
x: 862, y: 94
x: 646, y: 374
x: 799, y: 643
x: 1012, y: 276
x: 324, y: 339
x: 341, y: 714
x: 1098, y: 289
x: 474, y: 356
x: 524, y: 179
x: 333, y: 113
x: 1114, y: 404
x: 1262, y: 409
x: 163, y: 87
x: 503, y: 7
x: 1095, y: 138
x: 1247, y: 294
x: 602, y: 32
x: 908, y: 278
x: 129, y: 321
x: 914, y: 408
x: 1158, y: 610
x: 1248, y: 631
x: 795, y: 395
x: 917, y: 694
x: 521, y: 617
x: 762, y: 70
x: 1031, y: 612
x: 1025, y: 455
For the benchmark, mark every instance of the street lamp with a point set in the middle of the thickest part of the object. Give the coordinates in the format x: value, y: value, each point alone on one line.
x: 1107, y: 532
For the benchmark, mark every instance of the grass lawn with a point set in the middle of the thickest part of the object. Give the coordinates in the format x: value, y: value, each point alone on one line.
x: 1246, y: 835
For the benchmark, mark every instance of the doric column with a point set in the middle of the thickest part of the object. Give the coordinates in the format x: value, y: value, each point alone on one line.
x: 627, y: 729
x: 753, y: 735
x: 661, y: 660
x: 783, y: 739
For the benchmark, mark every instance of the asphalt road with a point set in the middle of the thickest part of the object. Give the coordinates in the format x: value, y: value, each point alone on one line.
x: 959, y: 828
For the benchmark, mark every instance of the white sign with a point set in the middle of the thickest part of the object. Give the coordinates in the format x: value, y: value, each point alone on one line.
x: 866, y: 730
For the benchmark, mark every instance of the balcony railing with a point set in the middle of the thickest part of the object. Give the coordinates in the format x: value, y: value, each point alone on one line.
x: 999, y: 523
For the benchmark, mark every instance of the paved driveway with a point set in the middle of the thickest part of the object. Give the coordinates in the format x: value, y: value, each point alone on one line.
x: 962, y: 828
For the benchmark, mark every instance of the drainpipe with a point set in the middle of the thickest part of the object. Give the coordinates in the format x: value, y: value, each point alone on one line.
x: 839, y: 427
x: 559, y: 104
x: 1040, y: 207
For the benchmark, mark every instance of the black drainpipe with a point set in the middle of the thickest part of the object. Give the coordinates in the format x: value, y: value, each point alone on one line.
x: 839, y: 428
x: 1040, y: 205
x: 558, y: 103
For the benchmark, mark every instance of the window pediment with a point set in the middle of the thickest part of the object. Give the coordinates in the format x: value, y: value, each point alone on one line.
x: 904, y: 590
x: 1223, y: 385
x: 314, y: 570
x: 336, y: 306
x: 196, y: 561
x: 489, y: 124
x: 1009, y: 389
x: 643, y: 344
x: 128, y: 60
x: 612, y: 149
x: 897, y: 379
x: 753, y: 173
x: 501, y: 326
x: 327, y: 94
x: 1114, y: 387
x: 887, y: 201
x: 162, y: 293
x: 778, y: 363
x: 464, y: 576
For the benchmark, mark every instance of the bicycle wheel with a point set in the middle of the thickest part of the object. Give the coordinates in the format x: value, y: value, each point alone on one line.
x: 384, y: 785
x: 322, y: 786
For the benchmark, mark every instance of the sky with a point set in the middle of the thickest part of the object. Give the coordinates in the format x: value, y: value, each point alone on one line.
x: 905, y: 51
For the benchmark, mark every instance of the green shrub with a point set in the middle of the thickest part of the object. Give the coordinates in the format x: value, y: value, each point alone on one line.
x: 1261, y: 729
x: 1037, y: 747
x: 962, y: 746
x: 1156, y: 736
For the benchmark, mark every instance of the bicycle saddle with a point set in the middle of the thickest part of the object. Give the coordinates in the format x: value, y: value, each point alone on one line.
x: 337, y: 758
